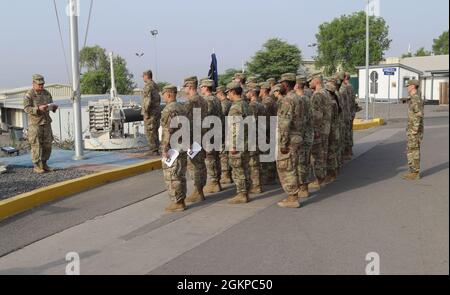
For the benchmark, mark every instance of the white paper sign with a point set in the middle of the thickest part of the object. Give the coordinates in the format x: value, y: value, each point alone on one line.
x: 172, y: 155
x: 196, y: 148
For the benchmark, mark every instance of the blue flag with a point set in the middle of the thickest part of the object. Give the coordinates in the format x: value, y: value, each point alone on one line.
x: 213, y: 73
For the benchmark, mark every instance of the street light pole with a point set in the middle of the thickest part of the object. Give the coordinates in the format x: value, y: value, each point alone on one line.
x: 154, y: 34
x: 367, y: 60
x: 75, y: 57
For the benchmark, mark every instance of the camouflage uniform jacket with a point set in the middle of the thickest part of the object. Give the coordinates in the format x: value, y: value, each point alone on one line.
x: 239, y: 110
x: 196, y: 102
x: 32, y: 101
x: 226, y: 105
x: 415, y: 116
x: 170, y: 112
x: 151, y: 100
x: 290, y: 120
x: 321, y: 113
x: 308, y: 127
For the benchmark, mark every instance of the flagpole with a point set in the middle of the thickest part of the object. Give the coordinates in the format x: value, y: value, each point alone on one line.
x: 367, y: 60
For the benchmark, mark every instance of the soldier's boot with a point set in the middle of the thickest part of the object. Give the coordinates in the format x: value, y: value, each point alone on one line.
x: 411, y: 176
x: 212, y: 187
x: 225, y: 178
x: 47, y: 168
x: 176, y: 207
x: 304, y: 192
x: 331, y: 177
x: 256, y: 190
x: 196, y: 196
x: 291, y: 202
x: 316, y: 184
x: 240, y: 198
x: 38, y: 168
x: 348, y: 154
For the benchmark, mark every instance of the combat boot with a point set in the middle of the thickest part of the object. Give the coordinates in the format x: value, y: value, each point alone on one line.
x: 196, y: 196
x: 291, y: 202
x: 316, y: 184
x: 240, y: 198
x: 331, y: 177
x: 256, y: 190
x: 304, y: 193
x: 411, y: 176
x: 46, y: 167
x: 38, y: 169
x: 176, y: 207
x: 225, y: 178
x: 212, y: 187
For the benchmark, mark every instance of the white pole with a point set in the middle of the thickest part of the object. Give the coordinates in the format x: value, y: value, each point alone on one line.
x: 367, y: 60
x: 113, y: 90
x: 75, y: 56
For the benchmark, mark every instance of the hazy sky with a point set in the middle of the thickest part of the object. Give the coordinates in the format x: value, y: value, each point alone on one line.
x: 188, y: 32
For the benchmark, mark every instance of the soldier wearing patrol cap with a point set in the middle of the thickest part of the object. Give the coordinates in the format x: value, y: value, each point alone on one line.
x: 225, y: 177
x: 308, y: 138
x: 38, y: 103
x: 212, y: 156
x: 272, y: 82
x: 290, y: 124
x: 196, y: 166
x: 174, y: 175
x: 322, y: 125
x: 151, y: 110
x: 238, y: 158
x: 414, y: 130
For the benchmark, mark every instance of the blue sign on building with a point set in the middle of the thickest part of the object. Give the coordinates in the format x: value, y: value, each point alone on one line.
x: 389, y: 71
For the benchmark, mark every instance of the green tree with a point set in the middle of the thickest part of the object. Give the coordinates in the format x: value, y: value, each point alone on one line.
x: 96, y: 72
x: 440, y: 45
x: 274, y: 59
x: 342, y: 42
x: 420, y: 52
x: 227, y: 77
x: 161, y: 85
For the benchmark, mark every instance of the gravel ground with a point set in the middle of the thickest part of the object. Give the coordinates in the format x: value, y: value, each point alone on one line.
x: 20, y: 180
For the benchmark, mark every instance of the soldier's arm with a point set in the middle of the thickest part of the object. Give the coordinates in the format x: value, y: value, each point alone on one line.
x: 284, y: 121
x: 166, y: 132
x: 235, y: 115
x: 28, y: 106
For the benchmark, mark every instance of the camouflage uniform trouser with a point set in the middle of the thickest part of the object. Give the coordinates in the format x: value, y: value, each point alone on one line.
x: 268, y: 170
x: 197, y: 169
x: 239, y: 166
x: 175, y: 178
x: 319, y: 156
x: 151, y: 124
x: 333, y: 147
x: 413, y: 152
x: 287, y: 166
x: 224, y: 163
x: 212, y: 163
x: 40, y: 139
x: 304, y: 164
x: 254, y: 168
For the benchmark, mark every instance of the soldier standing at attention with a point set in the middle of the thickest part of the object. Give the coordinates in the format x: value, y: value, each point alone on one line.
x: 175, y: 175
x: 414, y: 130
x: 269, y: 170
x: 354, y: 108
x: 151, y: 110
x: 257, y: 110
x: 212, y: 156
x: 38, y: 103
x: 321, y: 124
x: 290, y: 124
x: 225, y: 177
x: 196, y: 166
x: 238, y: 158
x: 308, y: 139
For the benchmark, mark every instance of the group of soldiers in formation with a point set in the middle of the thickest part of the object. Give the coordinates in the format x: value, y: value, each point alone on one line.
x: 314, y: 134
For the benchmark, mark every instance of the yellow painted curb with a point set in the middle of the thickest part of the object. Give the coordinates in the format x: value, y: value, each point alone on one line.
x: 359, y: 124
x: 26, y: 201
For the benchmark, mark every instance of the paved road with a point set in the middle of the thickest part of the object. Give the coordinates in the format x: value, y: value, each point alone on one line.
x: 121, y: 228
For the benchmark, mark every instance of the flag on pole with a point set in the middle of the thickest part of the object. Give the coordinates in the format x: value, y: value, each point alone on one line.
x: 374, y: 8
x: 213, y: 73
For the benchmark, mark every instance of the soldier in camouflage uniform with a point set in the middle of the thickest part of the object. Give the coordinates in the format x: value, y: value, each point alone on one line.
x: 304, y: 166
x: 38, y: 103
x: 196, y: 166
x: 175, y: 175
x: 225, y: 177
x: 151, y: 110
x: 321, y: 124
x: 353, y: 108
x: 268, y: 169
x: 333, y: 153
x: 272, y: 82
x: 256, y: 109
x: 238, y: 159
x: 415, y: 130
x: 290, y: 125
x: 346, y: 116
x: 212, y: 156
